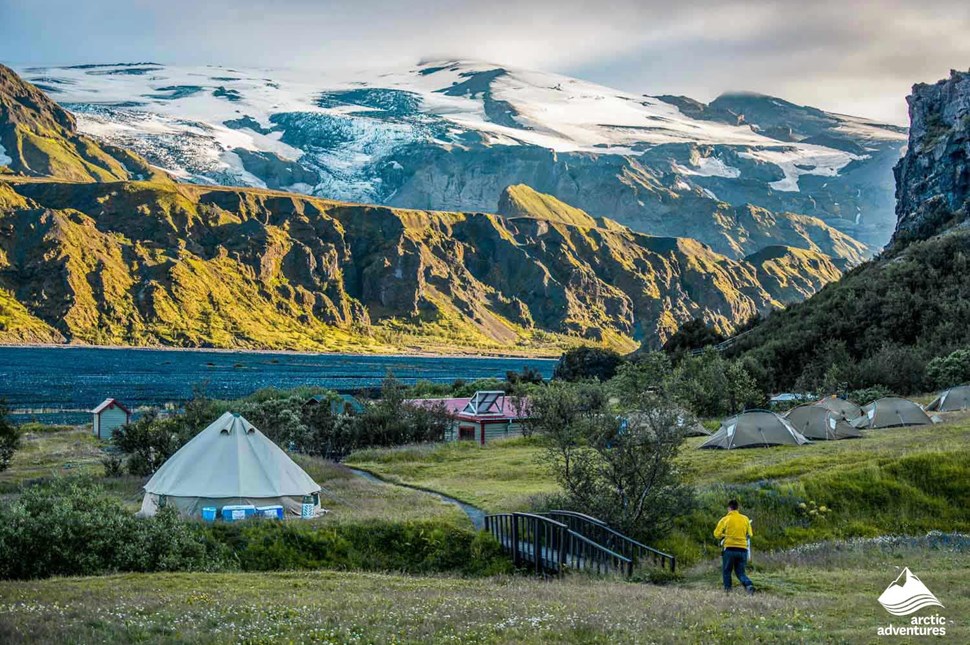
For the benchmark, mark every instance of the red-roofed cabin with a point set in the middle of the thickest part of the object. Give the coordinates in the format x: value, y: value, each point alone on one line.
x: 109, y: 415
x: 483, y: 416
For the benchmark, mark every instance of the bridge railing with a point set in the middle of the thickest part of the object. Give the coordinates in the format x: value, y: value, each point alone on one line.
x: 601, y: 533
x: 584, y: 554
x: 550, y: 546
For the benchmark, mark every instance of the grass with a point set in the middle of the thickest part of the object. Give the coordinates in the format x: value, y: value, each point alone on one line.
x: 830, y: 596
x: 899, y: 480
x: 501, y: 476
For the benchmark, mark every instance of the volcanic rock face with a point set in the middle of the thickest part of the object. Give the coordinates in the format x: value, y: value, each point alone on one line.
x: 933, y: 178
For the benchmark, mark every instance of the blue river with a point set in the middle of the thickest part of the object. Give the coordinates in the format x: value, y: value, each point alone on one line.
x: 59, y: 384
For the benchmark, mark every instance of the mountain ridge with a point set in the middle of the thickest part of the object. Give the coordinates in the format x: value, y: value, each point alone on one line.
x: 451, y: 135
x: 162, y: 263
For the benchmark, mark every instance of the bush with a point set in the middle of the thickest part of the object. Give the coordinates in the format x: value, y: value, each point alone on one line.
x: 950, y: 370
x: 427, y: 546
x: 9, y: 437
x: 868, y: 395
x: 694, y: 334
x: 149, y: 441
x: 619, y: 469
x: 69, y: 527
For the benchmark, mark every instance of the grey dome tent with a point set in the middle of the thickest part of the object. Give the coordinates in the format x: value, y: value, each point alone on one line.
x: 755, y: 429
x: 230, y: 462
x: 818, y: 423
x: 956, y: 398
x: 847, y: 409
x: 892, y: 412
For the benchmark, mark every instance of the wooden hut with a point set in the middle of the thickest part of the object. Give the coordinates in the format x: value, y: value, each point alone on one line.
x: 108, y: 416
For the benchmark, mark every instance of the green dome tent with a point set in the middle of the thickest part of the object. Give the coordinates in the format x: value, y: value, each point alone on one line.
x: 230, y: 462
x: 892, y: 412
x: 755, y: 429
x: 819, y: 423
x: 847, y: 409
x: 956, y: 398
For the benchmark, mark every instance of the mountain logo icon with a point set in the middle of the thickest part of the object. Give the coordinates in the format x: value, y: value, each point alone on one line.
x: 907, y: 594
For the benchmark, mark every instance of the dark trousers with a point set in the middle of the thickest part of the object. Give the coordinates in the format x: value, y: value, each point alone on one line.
x: 733, y: 561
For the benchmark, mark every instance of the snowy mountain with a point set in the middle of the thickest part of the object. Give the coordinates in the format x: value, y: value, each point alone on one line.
x: 452, y: 135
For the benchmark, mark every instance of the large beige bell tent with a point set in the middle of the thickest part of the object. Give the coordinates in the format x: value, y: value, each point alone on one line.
x: 818, y: 423
x: 230, y: 463
x: 892, y: 412
x: 755, y: 429
x: 956, y: 398
x: 847, y: 409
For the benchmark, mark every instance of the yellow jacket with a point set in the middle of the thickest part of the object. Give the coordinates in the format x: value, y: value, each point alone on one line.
x: 735, y: 529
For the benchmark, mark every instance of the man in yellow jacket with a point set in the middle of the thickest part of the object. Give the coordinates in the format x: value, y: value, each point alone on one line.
x: 734, y: 531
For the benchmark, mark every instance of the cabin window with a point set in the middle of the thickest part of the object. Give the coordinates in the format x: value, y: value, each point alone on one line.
x: 466, y: 433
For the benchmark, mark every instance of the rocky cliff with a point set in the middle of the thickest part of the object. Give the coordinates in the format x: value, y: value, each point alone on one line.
x: 933, y: 178
x: 884, y: 321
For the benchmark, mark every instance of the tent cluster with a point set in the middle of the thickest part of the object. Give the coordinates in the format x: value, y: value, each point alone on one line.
x: 828, y: 419
x: 231, y: 464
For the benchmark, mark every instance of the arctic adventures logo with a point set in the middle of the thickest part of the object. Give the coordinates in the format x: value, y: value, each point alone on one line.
x: 904, y: 596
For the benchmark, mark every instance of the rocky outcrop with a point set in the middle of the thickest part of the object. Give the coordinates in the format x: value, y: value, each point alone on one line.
x: 933, y: 178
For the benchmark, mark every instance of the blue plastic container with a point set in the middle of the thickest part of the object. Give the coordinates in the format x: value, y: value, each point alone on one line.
x: 237, y: 512
x: 209, y: 513
x: 272, y: 512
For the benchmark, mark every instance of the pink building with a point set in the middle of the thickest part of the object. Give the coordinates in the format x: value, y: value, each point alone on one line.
x: 483, y: 416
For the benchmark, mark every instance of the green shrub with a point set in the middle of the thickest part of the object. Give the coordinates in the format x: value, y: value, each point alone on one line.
x: 70, y: 527
x: 946, y: 371
x: 427, y: 546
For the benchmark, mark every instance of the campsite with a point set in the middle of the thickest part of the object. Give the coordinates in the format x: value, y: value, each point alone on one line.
x: 385, y: 523
x: 382, y: 347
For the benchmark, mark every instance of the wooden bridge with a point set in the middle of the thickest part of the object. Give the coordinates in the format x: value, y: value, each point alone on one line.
x: 558, y: 541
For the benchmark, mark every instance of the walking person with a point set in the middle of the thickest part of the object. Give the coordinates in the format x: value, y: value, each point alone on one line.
x: 734, y: 532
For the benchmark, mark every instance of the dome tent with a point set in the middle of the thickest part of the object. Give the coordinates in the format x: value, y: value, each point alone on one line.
x: 892, y: 412
x: 819, y: 423
x: 956, y: 398
x: 755, y: 429
x: 230, y: 462
x: 847, y: 409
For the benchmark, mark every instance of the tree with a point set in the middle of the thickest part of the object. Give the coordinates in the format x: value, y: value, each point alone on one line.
x: 649, y: 373
x: 587, y: 363
x: 9, y: 437
x: 148, y: 442
x: 694, y: 334
x: 710, y: 385
x: 620, y: 469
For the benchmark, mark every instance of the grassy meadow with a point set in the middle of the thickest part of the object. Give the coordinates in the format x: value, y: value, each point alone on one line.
x: 822, y: 595
x: 897, y: 498
x: 892, y: 481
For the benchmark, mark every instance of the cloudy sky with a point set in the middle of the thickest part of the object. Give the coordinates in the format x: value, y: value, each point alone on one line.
x: 847, y: 55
